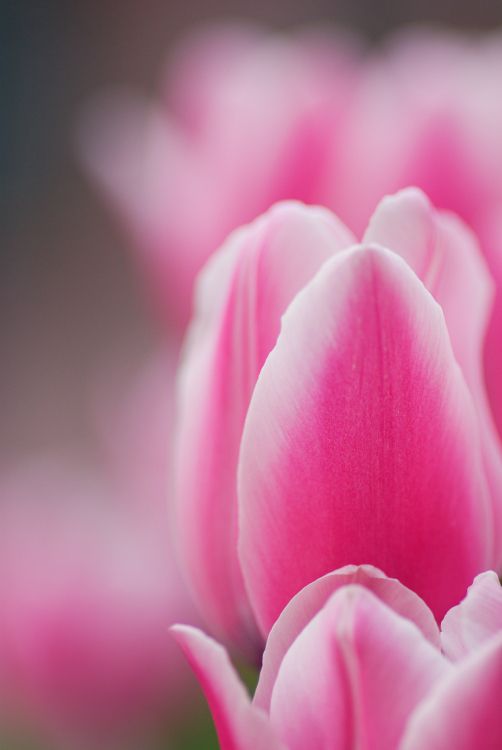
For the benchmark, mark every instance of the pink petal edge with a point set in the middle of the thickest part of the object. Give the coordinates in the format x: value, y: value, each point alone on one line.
x: 310, y: 600
x: 239, y: 724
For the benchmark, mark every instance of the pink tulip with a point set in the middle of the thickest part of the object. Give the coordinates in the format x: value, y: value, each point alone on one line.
x: 353, y: 661
x: 88, y: 587
x: 246, y: 119
x: 363, y: 440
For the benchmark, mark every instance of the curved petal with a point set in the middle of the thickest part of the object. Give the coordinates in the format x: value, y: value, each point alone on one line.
x: 473, y: 621
x: 361, y: 443
x: 310, y: 600
x: 353, y: 676
x: 404, y: 223
x: 444, y: 253
x: 239, y: 724
x: 240, y: 299
x: 463, y: 710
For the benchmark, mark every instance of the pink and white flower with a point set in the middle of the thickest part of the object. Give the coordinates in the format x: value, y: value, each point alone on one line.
x: 355, y: 431
x: 245, y: 119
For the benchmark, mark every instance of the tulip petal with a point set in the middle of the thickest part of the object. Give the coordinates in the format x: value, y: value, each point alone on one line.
x: 473, y: 621
x: 444, y: 253
x: 353, y: 676
x: 404, y: 223
x: 239, y: 724
x: 463, y: 710
x: 310, y: 600
x: 361, y: 443
x: 240, y: 299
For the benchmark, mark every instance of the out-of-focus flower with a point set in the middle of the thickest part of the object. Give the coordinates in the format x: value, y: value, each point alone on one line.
x: 364, y: 441
x: 246, y: 119
x: 249, y: 118
x: 354, y: 660
x: 87, y: 592
x: 89, y: 585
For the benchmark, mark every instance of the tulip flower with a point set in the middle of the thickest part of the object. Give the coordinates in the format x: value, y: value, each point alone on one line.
x: 359, y: 434
x: 353, y: 661
x: 246, y: 119
x: 87, y: 592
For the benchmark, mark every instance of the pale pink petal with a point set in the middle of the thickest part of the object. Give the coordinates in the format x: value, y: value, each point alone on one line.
x: 475, y: 619
x: 462, y: 712
x: 444, y: 253
x: 241, y: 296
x: 239, y: 724
x: 353, y: 676
x: 361, y: 443
x: 201, y: 63
x: 247, y: 119
x: 310, y: 600
x: 404, y: 223
x: 153, y: 175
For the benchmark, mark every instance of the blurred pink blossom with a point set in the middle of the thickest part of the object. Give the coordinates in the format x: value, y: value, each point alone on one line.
x: 347, y: 432
x: 89, y: 584
x: 248, y: 118
x: 354, y: 660
x: 245, y: 119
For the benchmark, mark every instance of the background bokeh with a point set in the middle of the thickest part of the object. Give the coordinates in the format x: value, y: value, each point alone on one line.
x: 69, y: 302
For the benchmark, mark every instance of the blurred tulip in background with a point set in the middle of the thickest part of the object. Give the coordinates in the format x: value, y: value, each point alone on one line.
x: 249, y: 118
